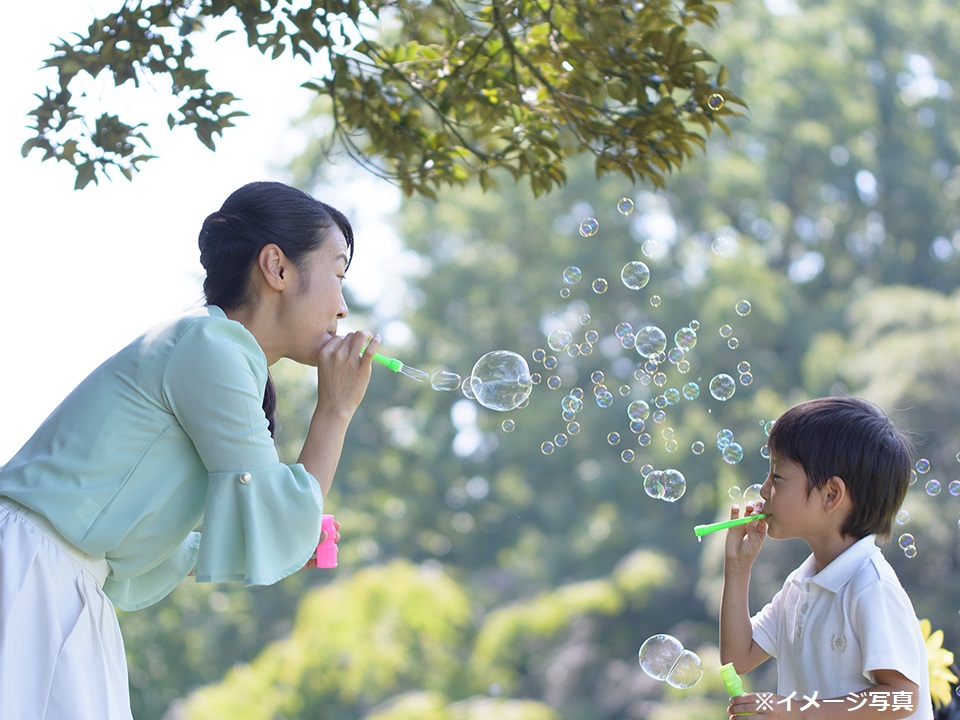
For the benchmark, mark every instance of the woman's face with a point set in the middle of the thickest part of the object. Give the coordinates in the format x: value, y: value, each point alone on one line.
x: 315, y: 304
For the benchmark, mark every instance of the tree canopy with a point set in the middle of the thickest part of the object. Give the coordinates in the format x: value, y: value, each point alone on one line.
x: 428, y: 94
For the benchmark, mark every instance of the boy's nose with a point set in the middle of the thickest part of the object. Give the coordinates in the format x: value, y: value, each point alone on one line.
x: 765, y: 488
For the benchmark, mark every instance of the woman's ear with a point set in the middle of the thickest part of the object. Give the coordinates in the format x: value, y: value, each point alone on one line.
x: 273, y: 266
x: 834, y: 493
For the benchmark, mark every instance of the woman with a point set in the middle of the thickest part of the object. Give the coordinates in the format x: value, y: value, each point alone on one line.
x: 100, y: 508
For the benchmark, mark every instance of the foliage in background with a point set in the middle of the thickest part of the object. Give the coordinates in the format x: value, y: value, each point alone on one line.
x: 429, y: 94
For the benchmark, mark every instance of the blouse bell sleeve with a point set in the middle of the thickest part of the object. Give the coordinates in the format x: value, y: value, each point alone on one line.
x: 261, y: 517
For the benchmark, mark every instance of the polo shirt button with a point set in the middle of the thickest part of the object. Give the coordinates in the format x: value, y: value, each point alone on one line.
x: 245, y: 478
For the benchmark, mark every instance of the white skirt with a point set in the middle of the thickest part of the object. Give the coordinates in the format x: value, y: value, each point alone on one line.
x: 61, y: 654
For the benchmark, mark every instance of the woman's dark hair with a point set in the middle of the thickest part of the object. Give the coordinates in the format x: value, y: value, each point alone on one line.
x: 256, y: 215
x: 854, y: 440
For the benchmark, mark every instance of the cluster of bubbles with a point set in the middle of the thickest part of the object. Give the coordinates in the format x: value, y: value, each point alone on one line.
x: 664, y: 658
x: 653, y: 353
x: 932, y: 487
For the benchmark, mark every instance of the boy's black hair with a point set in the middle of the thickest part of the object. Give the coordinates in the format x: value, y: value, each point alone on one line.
x: 854, y: 440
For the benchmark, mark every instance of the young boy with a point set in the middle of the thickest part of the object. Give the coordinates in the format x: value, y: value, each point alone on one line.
x: 845, y: 634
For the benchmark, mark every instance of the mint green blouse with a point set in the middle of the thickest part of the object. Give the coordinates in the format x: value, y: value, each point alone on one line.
x: 166, y: 436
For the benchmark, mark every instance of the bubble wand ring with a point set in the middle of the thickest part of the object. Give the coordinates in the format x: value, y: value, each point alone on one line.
x: 701, y: 530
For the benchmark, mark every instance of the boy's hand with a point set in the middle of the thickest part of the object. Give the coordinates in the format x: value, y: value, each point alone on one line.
x: 744, y: 541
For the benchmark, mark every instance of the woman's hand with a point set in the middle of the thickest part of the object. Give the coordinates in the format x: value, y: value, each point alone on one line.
x: 343, y: 372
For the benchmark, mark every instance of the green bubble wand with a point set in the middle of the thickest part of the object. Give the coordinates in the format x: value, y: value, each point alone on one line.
x: 701, y: 530
x: 399, y: 367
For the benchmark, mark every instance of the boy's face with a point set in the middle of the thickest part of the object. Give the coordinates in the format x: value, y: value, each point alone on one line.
x: 790, y: 511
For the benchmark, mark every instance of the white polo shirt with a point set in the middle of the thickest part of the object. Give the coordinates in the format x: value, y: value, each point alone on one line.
x: 830, y: 630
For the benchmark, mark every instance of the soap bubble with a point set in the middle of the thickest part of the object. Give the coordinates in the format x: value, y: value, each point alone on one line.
x: 564, y: 292
x: 906, y: 540
x: 501, y: 380
x: 691, y: 391
x: 733, y: 453
x: 604, y: 398
x: 600, y: 286
x: 923, y: 466
x: 653, y: 484
x: 954, y: 488
x: 675, y: 485
x: 752, y: 494
x: 722, y: 387
x: 743, y: 367
x: 655, y: 300
x: 734, y: 492
x: 467, y: 389
x: 627, y: 455
x: 508, y: 425
x: 554, y: 382
x: 613, y: 438
x: 724, y: 438
x: 659, y: 654
x: 746, y: 379
x: 715, y: 101
x: 589, y: 227
x: 910, y: 551
x: 668, y: 485
x: 591, y: 336
x: 547, y: 447
x: 651, y: 341
x: 572, y: 275
x: 932, y: 487
x: 638, y: 410
x: 625, y: 206
x: 623, y: 329
x: 743, y: 308
x: 698, y: 447
x: 726, y: 331
x: 685, y: 338
x: 687, y: 671
x: 573, y: 428
x: 445, y: 380
x: 635, y: 274
x: 558, y: 340
x: 903, y: 517
x: 560, y: 440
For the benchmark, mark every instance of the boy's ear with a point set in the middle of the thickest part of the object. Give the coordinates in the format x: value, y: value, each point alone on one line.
x: 833, y: 492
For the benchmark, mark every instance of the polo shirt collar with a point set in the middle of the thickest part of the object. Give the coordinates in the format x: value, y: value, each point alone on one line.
x: 838, y: 573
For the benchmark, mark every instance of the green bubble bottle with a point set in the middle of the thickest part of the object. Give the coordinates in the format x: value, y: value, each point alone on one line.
x: 732, y: 683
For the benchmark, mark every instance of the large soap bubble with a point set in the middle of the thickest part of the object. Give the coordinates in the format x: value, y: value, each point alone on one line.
x: 663, y: 657
x: 501, y: 380
x: 659, y: 654
x: 651, y: 341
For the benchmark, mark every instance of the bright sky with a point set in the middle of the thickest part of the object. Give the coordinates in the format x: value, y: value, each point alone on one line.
x: 86, y: 272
